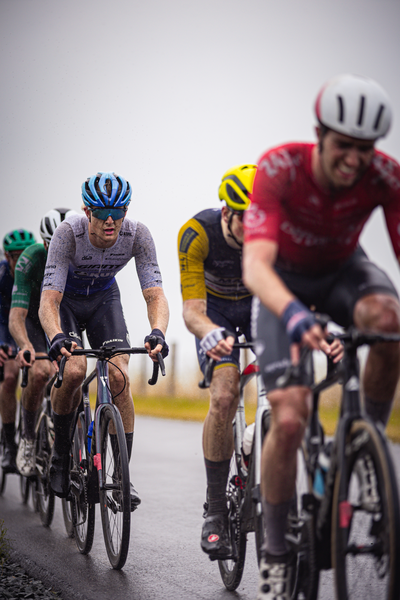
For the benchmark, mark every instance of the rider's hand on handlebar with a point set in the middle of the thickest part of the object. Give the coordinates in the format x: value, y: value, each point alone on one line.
x: 57, y: 348
x: 20, y: 359
x: 5, y: 352
x: 155, y: 343
x: 218, y: 343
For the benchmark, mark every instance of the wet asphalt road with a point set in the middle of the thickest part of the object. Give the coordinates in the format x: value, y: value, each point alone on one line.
x: 165, y: 561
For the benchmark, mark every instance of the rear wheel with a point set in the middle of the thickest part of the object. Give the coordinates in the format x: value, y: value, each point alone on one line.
x: 232, y: 570
x: 115, y: 505
x: 366, y: 523
x: 44, y: 493
x: 82, y: 513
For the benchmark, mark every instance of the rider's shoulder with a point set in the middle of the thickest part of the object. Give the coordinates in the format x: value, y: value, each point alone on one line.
x: 385, y: 169
x: 284, y: 157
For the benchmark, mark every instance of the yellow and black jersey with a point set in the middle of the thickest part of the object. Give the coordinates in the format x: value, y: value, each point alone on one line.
x: 208, y: 265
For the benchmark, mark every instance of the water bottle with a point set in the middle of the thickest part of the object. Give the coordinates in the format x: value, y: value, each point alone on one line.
x: 247, y: 444
x: 89, y: 436
x: 324, y: 461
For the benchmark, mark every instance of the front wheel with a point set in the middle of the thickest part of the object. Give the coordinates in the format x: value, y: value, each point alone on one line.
x: 301, y: 535
x: 232, y: 570
x: 366, y: 522
x: 115, y: 505
x: 44, y: 494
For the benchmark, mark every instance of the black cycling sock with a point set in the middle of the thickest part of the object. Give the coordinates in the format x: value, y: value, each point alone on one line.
x: 275, y: 520
x: 62, y: 432
x: 378, y: 411
x: 217, y: 477
x: 28, y: 423
x: 9, y: 433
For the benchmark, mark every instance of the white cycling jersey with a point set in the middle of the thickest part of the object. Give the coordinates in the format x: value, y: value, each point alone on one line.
x: 75, y: 266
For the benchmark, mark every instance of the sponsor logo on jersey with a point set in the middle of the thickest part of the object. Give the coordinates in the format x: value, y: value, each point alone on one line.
x: 187, y: 238
x: 24, y: 264
x: 87, y: 257
x: 281, y: 159
x: 115, y: 254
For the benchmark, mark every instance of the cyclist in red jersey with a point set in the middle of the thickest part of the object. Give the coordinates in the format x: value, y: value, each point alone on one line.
x: 310, y: 203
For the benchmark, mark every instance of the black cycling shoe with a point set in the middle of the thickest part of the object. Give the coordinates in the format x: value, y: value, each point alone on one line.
x: 215, y: 537
x: 135, y: 500
x: 8, y: 462
x: 59, y: 474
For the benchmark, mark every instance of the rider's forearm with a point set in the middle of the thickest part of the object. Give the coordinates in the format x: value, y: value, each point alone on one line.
x: 260, y: 277
x: 157, y: 308
x: 196, y: 319
x: 49, y: 312
x: 16, y: 325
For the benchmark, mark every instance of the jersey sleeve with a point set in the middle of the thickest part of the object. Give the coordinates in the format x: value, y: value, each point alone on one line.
x: 61, y: 252
x: 144, y: 251
x: 391, y: 203
x: 28, y: 275
x: 262, y: 219
x: 193, y: 248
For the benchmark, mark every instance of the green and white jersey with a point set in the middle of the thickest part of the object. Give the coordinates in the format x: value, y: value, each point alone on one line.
x: 28, y: 277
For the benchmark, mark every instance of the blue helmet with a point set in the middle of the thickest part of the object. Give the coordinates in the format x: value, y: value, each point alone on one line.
x: 106, y: 190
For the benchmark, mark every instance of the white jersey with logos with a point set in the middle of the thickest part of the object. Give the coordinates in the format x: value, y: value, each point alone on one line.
x: 75, y: 266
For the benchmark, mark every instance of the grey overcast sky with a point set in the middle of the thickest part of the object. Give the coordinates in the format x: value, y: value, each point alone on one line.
x: 170, y: 94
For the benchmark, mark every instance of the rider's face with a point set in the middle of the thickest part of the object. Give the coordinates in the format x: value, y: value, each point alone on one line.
x: 103, y: 233
x: 12, y: 258
x: 343, y: 159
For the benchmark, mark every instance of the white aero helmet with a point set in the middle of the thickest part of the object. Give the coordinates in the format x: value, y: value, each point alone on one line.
x: 355, y: 106
x: 51, y: 220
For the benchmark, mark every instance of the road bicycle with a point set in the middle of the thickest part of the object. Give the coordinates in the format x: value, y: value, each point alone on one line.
x: 99, y: 467
x: 355, y: 527
x: 243, y: 489
x: 24, y: 484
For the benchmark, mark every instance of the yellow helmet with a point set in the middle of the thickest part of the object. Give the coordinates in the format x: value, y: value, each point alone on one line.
x: 236, y: 187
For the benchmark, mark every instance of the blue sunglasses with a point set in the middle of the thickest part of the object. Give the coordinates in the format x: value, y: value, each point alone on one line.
x: 104, y: 213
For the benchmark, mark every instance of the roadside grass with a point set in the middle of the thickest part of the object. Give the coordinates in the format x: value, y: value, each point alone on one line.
x: 195, y: 409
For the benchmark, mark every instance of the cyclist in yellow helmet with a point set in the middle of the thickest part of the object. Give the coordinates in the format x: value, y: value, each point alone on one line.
x: 215, y: 304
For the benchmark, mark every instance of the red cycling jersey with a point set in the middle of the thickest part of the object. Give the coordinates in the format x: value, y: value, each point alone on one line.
x: 316, y: 231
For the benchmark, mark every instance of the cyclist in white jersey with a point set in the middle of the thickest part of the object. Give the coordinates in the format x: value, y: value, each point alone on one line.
x: 80, y: 293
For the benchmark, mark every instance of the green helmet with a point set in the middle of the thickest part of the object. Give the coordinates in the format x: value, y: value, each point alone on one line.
x: 19, y: 239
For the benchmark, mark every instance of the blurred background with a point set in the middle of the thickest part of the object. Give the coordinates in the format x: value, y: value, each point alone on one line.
x: 171, y: 95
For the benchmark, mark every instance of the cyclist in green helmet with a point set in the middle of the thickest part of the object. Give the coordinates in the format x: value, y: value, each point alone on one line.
x: 13, y: 245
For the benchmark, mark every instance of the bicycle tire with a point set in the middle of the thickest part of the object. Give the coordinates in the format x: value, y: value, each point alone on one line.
x: 366, y: 528
x: 3, y: 475
x: 259, y: 528
x: 232, y: 570
x: 82, y: 512
x: 67, y: 517
x: 115, y: 503
x: 301, y: 535
x: 44, y: 493
x: 24, y: 482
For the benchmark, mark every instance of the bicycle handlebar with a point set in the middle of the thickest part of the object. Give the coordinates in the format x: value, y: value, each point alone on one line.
x: 211, y: 363
x: 106, y: 353
x: 25, y: 370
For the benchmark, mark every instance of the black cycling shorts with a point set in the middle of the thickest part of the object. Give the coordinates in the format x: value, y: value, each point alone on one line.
x: 99, y: 314
x: 334, y: 294
x: 231, y: 314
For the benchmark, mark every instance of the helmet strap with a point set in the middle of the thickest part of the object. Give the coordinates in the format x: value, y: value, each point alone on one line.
x: 230, y: 230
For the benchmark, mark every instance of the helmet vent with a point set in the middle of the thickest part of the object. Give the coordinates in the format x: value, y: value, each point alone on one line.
x: 378, y: 117
x: 341, y: 109
x: 108, y: 187
x: 361, y: 111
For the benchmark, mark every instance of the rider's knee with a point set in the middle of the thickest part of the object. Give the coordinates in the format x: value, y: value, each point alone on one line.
x: 223, y: 405
x: 10, y: 381
x: 378, y: 312
x: 75, y: 371
x: 290, y: 409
